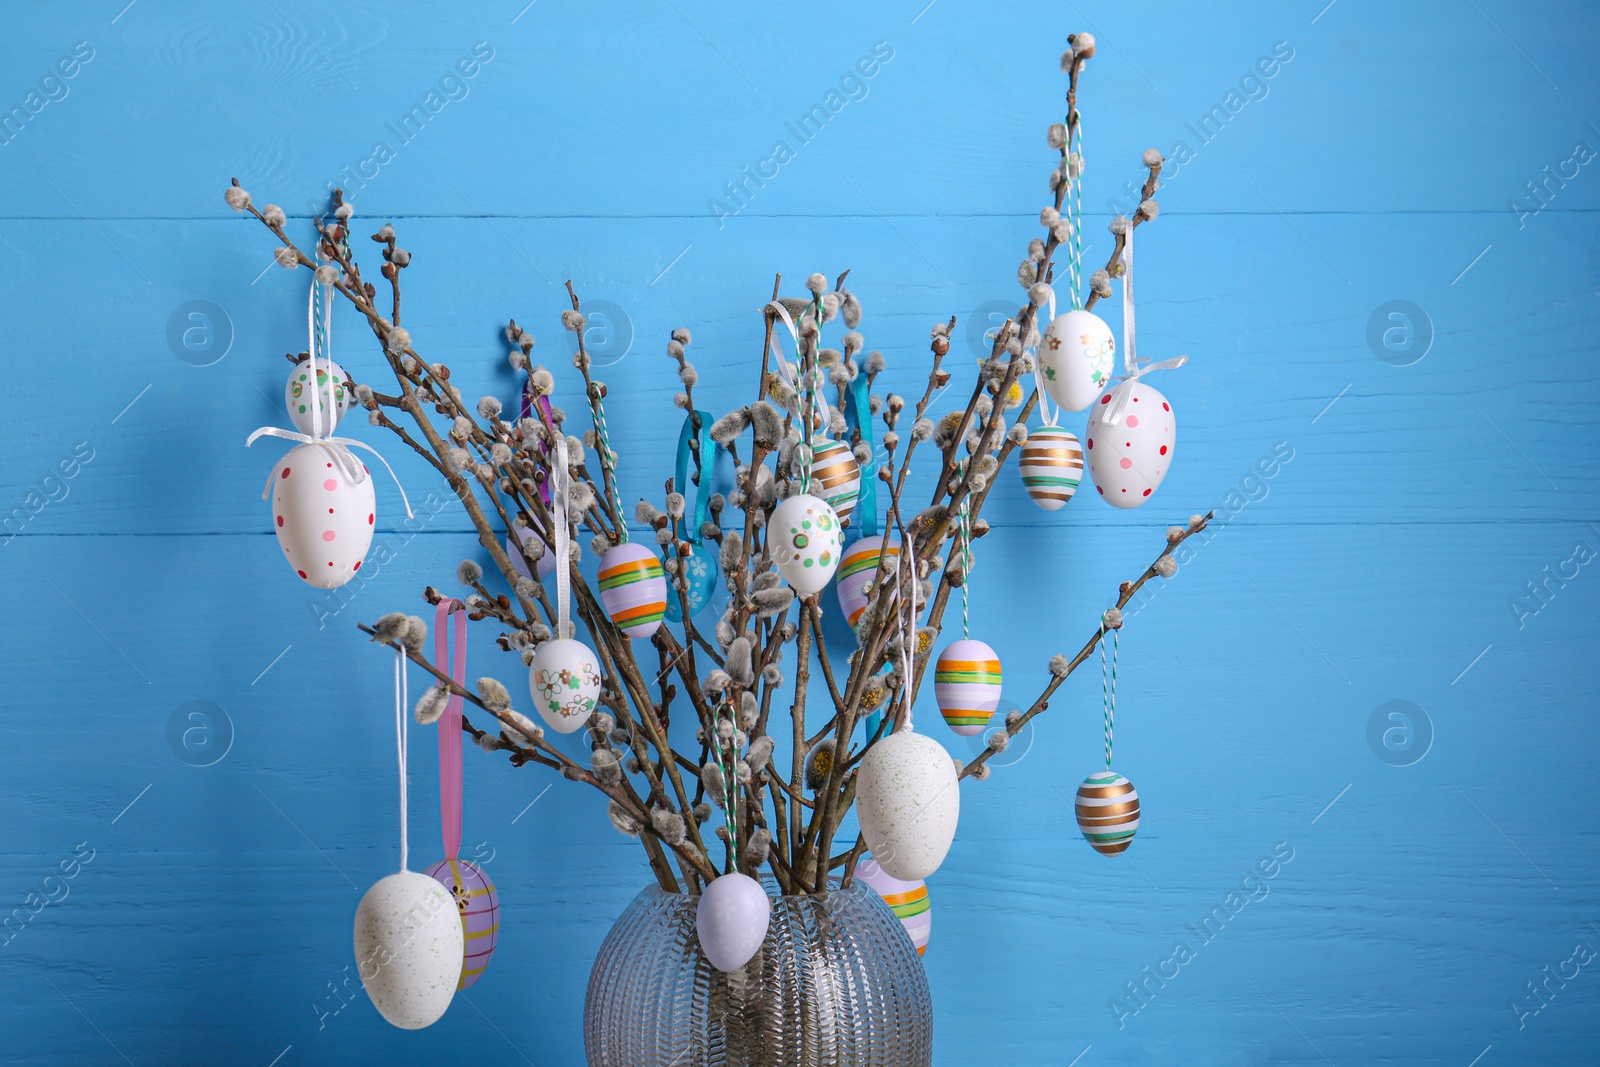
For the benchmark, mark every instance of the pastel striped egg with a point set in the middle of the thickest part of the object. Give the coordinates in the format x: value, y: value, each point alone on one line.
x: 858, y: 567
x: 1052, y: 466
x: 1108, y: 812
x: 966, y: 684
x: 836, y: 476
x: 908, y: 900
x: 479, y: 905
x: 633, y: 588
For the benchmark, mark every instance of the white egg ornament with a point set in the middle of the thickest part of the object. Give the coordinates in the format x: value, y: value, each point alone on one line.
x: 1129, y: 460
x: 732, y: 919
x: 908, y: 803
x: 564, y: 681
x: 334, y: 401
x: 322, y: 518
x: 804, y: 539
x: 408, y: 944
x: 1076, y: 357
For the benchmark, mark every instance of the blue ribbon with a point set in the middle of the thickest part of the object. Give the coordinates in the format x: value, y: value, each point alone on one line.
x: 867, y: 497
x: 703, y: 466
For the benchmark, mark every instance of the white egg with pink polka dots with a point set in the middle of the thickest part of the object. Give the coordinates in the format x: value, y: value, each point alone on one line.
x: 1129, y: 460
x: 323, y: 519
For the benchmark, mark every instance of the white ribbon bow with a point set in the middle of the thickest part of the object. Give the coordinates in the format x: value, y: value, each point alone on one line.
x: 790, y: 374
x: 1122, y: 394
x: 337, y: 449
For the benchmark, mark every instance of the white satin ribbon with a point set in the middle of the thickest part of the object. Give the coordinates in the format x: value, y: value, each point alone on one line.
x: 1045, y: 413
x: 401, y: 744
x: 789, y: 374
x: 1122, y: 393
x: 337, y: 449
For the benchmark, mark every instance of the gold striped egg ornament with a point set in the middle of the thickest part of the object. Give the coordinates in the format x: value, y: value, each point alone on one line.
x: 966, y: 685
x: 633, y: 587
x: 836, y: 476
x: 858, y: 566
x: 1051, y: 466
x: 1108, y: 812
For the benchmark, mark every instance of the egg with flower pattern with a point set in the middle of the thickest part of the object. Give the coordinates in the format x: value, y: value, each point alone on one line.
x: 479, y: 905
x: 1076, y: 358
x: 564, y: 681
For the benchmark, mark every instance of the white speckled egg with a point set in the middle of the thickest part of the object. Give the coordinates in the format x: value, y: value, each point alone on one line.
x: 732, y: 919
x: 804, y: 539
x: 335, y: 399
x: 1129, y: 460
x: 323, y: 520
x: 564, y: 681
x: 908, y: 803
x: 1076, y: 358
x: 409, y: 948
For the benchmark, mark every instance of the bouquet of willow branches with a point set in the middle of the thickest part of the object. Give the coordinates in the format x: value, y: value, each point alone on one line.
x: 730, y: 677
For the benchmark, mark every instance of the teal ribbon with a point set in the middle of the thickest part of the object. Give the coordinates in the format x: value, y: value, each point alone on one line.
x: 867, y: 497
x: 702, y: 501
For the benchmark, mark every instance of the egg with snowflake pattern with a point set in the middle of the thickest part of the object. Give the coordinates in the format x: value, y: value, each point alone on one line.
x: 699, y: 571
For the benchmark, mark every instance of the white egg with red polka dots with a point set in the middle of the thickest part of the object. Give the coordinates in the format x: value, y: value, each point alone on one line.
x: 323, y: 520
x: 1129, y: 460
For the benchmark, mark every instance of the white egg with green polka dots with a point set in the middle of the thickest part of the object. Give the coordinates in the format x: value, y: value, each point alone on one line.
x: 335, y: 400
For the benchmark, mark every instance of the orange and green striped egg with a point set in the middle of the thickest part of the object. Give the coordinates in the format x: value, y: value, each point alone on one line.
x: 633, y: 589
x: 966, y: 684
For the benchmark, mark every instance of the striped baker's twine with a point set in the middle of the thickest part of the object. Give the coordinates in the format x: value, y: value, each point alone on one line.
x: 608, y: 458
x: 1108, y: 688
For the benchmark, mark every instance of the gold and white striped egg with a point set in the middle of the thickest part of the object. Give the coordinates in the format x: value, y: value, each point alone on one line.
x: 836, y: 476
x: 1051, y: 466
x: 1108, y: 812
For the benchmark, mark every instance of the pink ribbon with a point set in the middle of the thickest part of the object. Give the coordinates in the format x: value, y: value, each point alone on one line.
x: 450, y: 724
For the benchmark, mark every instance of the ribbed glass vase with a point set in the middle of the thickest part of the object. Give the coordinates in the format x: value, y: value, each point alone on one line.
x: 837, y: 983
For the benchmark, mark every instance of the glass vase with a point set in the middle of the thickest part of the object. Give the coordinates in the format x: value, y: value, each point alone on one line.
x: 837, y: 983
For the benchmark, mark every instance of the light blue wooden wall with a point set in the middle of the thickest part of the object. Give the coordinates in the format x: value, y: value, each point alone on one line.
x: 1380, y: 563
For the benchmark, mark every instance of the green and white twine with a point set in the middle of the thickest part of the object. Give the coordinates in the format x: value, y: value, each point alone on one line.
x: 1108, y: 687
x: 965, y: 522
x: 608, y: 457
x: 813, y: 390
x: 1074, y: 204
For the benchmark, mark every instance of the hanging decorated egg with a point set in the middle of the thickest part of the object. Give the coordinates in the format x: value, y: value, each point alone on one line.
x: 322, y: 518
x: 1129, y: 460
x: 908, y: 900
x: 732, y: 919
x: 1108, y: 812
x: 699, y: 569
x: 836, y: 475
x: 966, y: 683
x: 804, y: 539
x: 335, y: 399
x: 564, y: 680
x: 633, y: 589
x: 908, y: 802
x: 858, y: 566
x: 1076, y: 357
x: 1051, y: 465
x: 479, y: 906
x: 409, y: 948
x: 546, y: 564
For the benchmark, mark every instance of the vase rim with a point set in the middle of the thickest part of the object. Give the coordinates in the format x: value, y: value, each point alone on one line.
x: 769, y: 883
